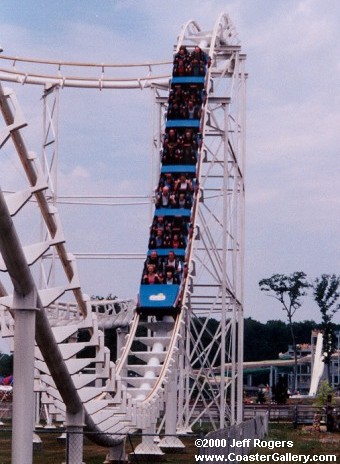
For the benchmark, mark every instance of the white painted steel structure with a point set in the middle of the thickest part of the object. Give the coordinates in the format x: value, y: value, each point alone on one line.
x: 318, y: 366
x: 55, y: 73
x: 162, y: 359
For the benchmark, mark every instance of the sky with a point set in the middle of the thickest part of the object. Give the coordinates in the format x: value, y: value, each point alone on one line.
x: 293, y: 137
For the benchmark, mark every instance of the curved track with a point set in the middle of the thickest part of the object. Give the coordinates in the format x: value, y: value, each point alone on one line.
x: 15, y: 69
x: 116, y: 399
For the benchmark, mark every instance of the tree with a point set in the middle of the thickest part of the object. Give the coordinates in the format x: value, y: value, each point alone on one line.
x: 324, y: 391
x: 6, y: 364
x: 326, y: 294
x: 288, y: 290
x: 261, y: 399
x: 280, y: 391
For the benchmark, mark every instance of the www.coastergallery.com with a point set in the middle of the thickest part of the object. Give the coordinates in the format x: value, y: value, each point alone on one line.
x: 274, y: 457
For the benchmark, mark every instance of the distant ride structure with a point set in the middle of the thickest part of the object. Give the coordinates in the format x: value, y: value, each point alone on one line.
x: 168, y: 356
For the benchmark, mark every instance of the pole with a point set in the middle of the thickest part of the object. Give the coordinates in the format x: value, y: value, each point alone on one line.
x: 23, y: 406
x: 224, y: 272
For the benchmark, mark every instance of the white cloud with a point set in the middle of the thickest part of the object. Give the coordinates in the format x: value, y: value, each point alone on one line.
x: 158, y: 297
x: 79, y: 171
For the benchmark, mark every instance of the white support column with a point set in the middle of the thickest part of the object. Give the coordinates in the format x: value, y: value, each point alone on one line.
x: 75, y: 436
x: 183, y: 394
x: 121, y: 334
x: 187, y: 369
x: 224, y: 268
x: 170, y: 442
x: 241, y: 209
x: 23, y: 403
x: 239, y: 412
x: 36, y: 421
x: 37, y: 409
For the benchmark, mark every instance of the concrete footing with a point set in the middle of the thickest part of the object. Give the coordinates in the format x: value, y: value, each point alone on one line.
x: 147, y: 451
x: 116, y: 455
x: 171, y: 445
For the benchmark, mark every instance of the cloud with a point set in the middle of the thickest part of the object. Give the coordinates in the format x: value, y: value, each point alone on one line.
x: 158, y: 297
x: 79, y: 171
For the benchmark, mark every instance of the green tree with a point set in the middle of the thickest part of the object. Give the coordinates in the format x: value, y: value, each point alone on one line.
x: 261, y: 398
x: 278, y: 337
x: 326, y: 294
x: 288, y: 290
x: 303, y: 330
x: 324, y: 391
x: 280, y: 391
x: 6, y: 364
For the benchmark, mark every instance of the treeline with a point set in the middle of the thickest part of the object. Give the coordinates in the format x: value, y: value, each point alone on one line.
x: 261, y: 340
x: 266, y: 340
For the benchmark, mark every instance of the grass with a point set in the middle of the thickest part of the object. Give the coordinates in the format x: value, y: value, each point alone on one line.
x: 52, y: 449
x: 305, y: 440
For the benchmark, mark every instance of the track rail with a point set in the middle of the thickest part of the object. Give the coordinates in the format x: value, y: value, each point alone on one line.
x: 100, y: 76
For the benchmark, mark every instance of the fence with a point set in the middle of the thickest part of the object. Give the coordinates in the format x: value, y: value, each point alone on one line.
x: 237, y: 439
x: 55, y: 446
x: 295, y: 413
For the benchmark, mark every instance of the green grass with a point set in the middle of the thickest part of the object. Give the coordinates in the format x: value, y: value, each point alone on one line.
x: 306, y: 441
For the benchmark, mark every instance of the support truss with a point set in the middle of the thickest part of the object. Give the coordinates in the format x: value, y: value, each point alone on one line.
x: 49, y: 163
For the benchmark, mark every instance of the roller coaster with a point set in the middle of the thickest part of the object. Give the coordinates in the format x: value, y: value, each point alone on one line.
x: 165, y: 374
